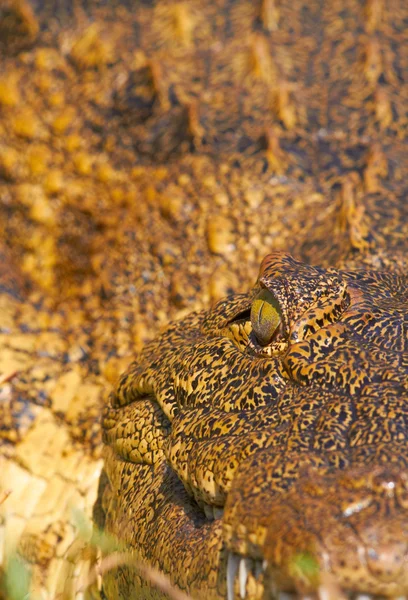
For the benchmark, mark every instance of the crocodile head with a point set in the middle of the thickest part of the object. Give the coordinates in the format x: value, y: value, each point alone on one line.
x: 259, y: 449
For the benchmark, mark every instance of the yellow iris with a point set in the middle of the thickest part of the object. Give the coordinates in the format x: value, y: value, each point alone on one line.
x: 265, y: 316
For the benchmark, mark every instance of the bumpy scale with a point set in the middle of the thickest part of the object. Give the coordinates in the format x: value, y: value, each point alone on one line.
x: 298, y: 454
x: 150, y: 156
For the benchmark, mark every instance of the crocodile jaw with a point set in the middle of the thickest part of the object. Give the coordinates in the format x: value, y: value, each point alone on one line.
x: 330, y: 536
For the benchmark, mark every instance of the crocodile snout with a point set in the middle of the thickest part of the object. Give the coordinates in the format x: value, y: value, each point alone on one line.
x: 349, y: 528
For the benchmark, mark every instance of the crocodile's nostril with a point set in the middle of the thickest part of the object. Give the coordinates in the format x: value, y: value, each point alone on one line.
x: 387, y: 564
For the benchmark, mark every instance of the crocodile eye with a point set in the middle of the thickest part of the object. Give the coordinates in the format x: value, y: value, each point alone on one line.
x: 265, y: 316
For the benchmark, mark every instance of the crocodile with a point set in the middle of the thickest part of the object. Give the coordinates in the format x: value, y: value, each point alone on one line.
x: 132, y: 137
x: 272, y: 429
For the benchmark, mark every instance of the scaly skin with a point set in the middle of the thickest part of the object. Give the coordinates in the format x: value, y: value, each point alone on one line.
x: 302, y: 442
x: 150, y: 156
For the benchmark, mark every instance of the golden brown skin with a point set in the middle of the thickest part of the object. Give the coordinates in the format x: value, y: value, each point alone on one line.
x: 303, y: 442
x: 150, y: 156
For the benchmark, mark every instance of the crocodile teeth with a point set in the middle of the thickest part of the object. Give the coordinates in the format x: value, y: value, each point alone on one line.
x: 242, y: 567
x: 212, y: 512
x: 209, y: 512
x: 232, y: 567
